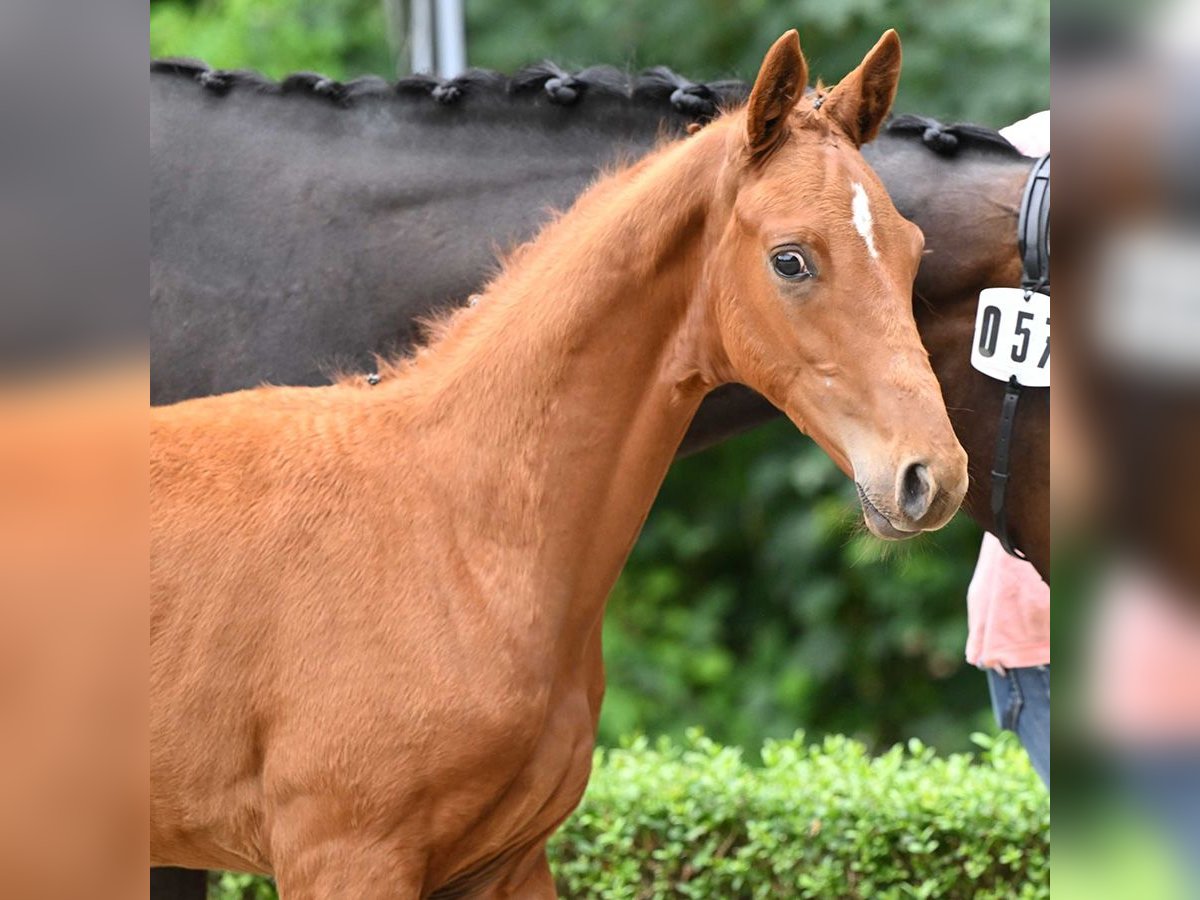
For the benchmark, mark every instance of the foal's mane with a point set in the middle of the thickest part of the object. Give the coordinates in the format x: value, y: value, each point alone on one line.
x: 544, y: 80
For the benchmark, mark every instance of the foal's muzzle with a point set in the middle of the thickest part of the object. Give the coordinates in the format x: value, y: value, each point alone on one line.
x: 916, y: 502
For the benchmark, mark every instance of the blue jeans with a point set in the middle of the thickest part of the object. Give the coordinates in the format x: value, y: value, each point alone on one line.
x: 1021, y: 701
x: 1166, y: 785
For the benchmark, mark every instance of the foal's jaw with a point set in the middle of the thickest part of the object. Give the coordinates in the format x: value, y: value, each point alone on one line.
x: 826, y: 331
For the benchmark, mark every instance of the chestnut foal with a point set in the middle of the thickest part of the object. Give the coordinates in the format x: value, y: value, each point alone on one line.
x: 375, y: 638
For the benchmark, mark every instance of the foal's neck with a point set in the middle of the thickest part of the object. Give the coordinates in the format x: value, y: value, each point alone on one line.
x: 571, y: 384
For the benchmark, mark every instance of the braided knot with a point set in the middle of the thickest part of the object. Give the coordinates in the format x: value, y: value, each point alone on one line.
x: 695, y: 100
x: 938, y: 140
x: 447, y: 93
x: 216, y: 81
x: 563, y: 89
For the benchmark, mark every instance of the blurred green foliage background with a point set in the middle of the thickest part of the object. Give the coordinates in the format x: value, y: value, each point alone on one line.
x: 981, y: 60
x: 753, y: 604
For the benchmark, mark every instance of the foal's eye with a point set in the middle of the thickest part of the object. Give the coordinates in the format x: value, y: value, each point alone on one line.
x: 790, y: 264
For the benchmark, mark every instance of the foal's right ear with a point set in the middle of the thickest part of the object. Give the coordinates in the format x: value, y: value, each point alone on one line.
x: 781, y: 82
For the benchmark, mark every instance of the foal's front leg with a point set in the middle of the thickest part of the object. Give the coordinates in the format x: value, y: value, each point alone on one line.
x: 367, y: 873
x: 346, y: 866
x: 358, y: 876
x: 528, y: 879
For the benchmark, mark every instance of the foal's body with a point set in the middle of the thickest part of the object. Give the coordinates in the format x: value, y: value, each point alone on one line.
x: 376, y: 662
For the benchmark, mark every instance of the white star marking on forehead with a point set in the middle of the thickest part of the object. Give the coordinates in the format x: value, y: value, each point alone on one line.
x: 863, y: 222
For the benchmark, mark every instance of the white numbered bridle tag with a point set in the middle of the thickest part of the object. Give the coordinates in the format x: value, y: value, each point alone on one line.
x: 1012, y: 336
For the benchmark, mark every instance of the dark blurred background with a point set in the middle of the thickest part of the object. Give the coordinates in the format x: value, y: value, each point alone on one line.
x: 753, y: 604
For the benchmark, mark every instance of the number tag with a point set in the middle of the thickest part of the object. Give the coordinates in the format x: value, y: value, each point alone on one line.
x: 1012, y: 336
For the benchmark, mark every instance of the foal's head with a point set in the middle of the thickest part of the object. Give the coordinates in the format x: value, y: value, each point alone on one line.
x: 811, y: 288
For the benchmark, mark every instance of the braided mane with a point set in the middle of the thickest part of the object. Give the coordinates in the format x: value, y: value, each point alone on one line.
x: 948, y: 140
x: 547, y: 81
x: 544, y: 80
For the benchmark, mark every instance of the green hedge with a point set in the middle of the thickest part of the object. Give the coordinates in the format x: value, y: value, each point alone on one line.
x: 812, y: 821
x: 695, y: 819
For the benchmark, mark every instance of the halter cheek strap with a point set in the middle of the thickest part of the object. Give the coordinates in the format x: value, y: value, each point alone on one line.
x: 1000, y: 473
x: 1033, y: 228
x: 1033, y: 241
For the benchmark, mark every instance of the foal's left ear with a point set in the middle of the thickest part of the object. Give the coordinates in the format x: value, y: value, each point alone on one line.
x: 780, y: 85
x: 862, y: 99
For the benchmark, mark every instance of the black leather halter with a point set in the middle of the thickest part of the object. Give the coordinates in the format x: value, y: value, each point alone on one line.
x: 1033, y: 240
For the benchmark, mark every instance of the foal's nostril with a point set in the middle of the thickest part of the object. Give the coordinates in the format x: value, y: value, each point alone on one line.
x: 916, y: 491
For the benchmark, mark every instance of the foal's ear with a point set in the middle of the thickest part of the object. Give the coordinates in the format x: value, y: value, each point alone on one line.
x: 862, y: 99
x: 780, y: 85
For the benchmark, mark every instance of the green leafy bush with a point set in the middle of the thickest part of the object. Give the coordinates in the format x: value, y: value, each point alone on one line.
x: 339, y: 38
x: 695, y: 819
x: 754, y: 604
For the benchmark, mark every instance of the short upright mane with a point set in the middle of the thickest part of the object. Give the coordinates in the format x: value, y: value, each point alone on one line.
x: 949, y: 140
x: 545, y: 80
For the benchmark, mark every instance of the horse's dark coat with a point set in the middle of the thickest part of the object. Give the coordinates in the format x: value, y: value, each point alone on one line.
x: 292, y: 237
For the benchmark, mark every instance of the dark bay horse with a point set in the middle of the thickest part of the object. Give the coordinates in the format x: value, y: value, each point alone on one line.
x: 300, y: 228
x: 375, y: 641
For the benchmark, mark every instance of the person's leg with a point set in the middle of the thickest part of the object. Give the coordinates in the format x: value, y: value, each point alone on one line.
x: 1165, y: 783
x: 1021, y: 701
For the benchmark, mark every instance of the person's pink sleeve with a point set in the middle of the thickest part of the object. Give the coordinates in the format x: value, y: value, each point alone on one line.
x: 1008, y: 612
